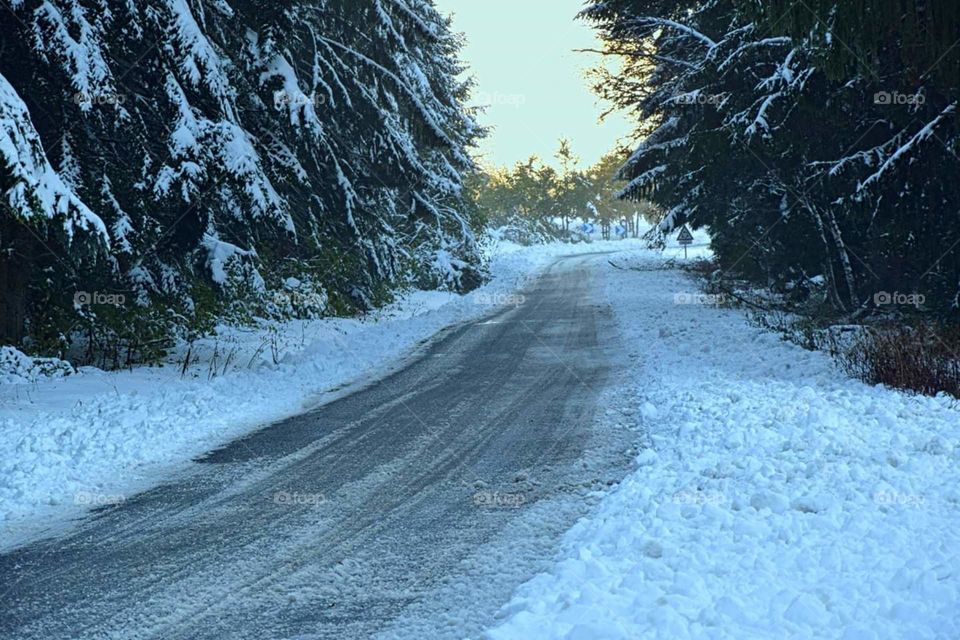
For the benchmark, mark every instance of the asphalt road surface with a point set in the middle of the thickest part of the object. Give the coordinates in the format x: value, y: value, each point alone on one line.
x: 411, y: 507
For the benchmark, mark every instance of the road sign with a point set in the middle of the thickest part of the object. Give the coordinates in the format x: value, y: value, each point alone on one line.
x: 685, y: 238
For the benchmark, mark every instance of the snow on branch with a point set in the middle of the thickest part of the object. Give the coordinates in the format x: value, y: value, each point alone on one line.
x: 220, y: 254
x: 199, y: 58
x: 669, y: 221
x: 923, y: 134
x: 649, y: 143
x: 742, y: 49
x: 300, y: 105
x: 760, y: 122
x: 77, y: 46
x: 652, y: 21
x: 784, y: 78
x: 429, y: 117
x: 34, y: 185
x: 645, y: 179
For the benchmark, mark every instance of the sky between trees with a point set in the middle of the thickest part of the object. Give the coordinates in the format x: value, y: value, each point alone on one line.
x: 528, y: 74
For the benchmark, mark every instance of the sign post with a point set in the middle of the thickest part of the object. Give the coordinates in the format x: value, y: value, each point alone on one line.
x: 685, y: 238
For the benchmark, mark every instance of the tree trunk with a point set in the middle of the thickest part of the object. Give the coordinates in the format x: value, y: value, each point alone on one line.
x: 14, y: 281
x: 845, y: 262
x: 829, y: 247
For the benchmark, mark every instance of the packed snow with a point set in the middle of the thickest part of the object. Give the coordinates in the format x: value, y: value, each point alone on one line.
x: 773, y: 496
x: 71, y: 442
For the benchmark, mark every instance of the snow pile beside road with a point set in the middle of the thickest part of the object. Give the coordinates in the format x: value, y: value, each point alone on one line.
x: 73, y: 443
x: 776, y: 498
x: 17, y: 367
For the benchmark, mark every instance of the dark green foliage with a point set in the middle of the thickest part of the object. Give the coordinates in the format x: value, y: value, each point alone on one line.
x: 815, y: 140
x: 229, y: 149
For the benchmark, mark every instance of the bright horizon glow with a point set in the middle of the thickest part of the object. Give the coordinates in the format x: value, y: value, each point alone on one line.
x: 521, y: 55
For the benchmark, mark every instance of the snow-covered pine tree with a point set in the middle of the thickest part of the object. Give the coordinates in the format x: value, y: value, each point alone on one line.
x: 234, y: 149
x: 38, y: 209
x: 802, y: 161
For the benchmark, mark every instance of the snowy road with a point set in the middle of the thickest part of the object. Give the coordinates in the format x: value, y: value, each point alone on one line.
x: 410, y: 508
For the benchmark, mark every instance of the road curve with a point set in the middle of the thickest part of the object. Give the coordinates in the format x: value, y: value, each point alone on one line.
x: 409, y: 508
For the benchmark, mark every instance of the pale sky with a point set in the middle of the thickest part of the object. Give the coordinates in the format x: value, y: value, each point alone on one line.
x: 520, y: 53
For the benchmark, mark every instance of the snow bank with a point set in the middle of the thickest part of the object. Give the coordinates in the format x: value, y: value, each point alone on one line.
x: 774, y: 498
x: 73, y: 443
x: 17, y: 367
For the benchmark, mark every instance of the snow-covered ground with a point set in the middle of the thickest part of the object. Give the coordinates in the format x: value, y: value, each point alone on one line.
x: 773, y: 498
x: 68, y: 444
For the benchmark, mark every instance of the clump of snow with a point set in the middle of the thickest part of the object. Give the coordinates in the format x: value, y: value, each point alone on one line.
x: 774, y: 497
x: 17, y: 367
x: 219, y: 256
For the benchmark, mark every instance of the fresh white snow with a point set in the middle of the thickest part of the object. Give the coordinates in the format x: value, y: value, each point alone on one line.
x: 773, y: 497
x: 71, y: 443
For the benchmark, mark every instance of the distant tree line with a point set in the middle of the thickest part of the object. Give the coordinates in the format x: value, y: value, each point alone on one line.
x: 541, y: 202
x: 817, y: 140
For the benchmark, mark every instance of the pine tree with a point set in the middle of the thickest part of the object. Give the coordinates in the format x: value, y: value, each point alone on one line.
x: 235, y: 149
x: 804, y: 162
